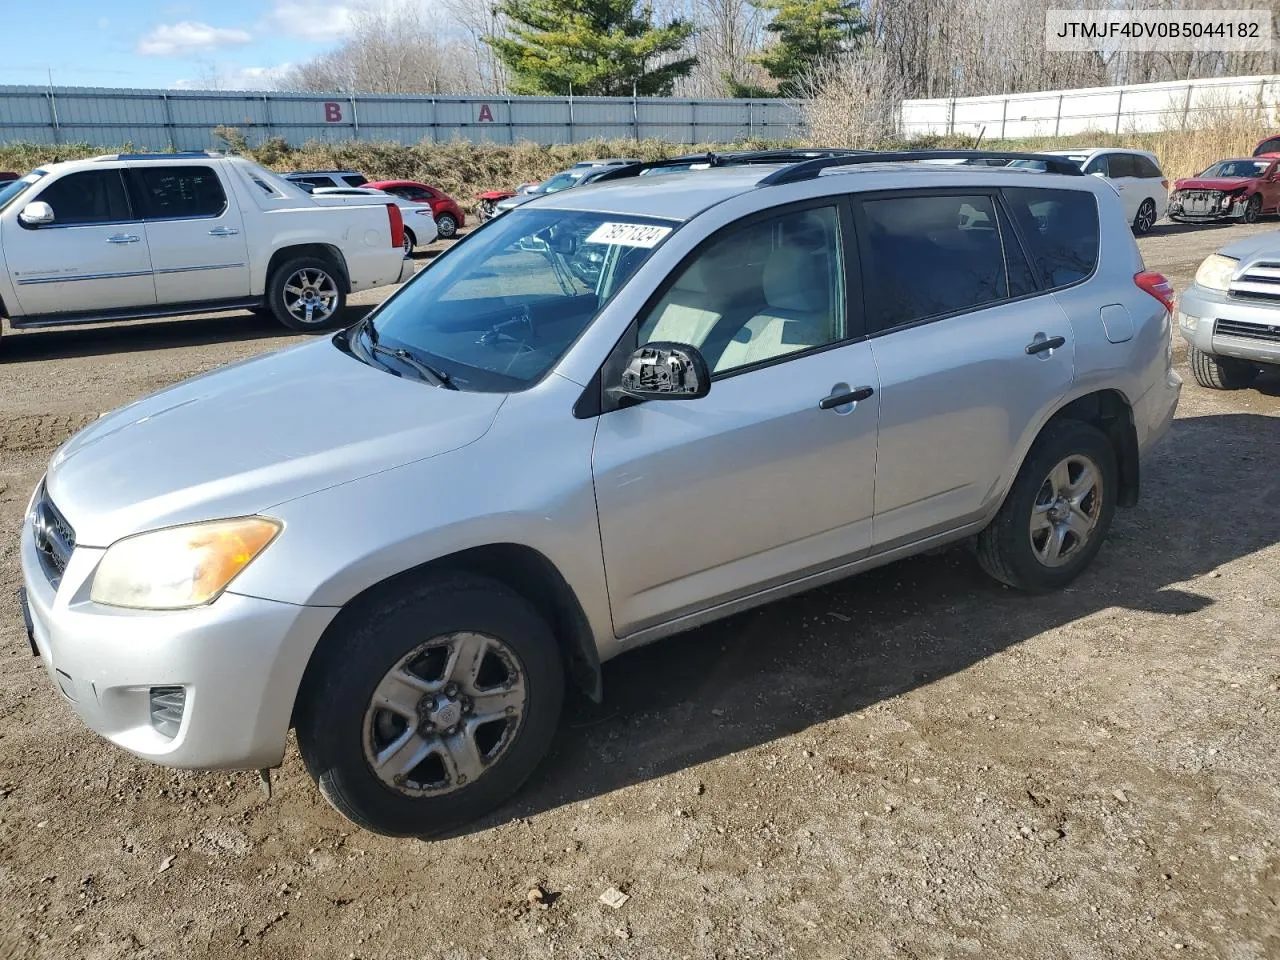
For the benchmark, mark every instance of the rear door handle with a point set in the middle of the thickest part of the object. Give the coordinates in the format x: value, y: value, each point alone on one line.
x: 122, y: 238
x: 841, y: 399
x: 1050, y: 343
x: 223, y: 232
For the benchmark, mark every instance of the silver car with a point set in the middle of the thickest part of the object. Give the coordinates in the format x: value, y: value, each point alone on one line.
x: 1230, y: 315
x: 609, y: 417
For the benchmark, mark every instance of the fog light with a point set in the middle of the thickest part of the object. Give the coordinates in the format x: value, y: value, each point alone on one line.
x: 167, y: 704
x: 1188, y: 322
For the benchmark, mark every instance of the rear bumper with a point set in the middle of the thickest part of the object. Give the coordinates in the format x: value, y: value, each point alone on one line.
x: 1255, y: 325
x: 1154, y: 410
x: 238, y: 661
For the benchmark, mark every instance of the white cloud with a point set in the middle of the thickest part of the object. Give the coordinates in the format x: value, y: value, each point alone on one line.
x: 189, y: 36
x: 228, y: 77
x: 312, y: 20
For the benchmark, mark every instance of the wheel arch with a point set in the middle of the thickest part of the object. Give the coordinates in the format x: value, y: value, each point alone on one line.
x: 522, y: 568
x: 1109, y: 411
x: 322, y: 251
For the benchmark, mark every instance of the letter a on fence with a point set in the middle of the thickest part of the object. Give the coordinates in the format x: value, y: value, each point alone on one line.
x: 486, y: 115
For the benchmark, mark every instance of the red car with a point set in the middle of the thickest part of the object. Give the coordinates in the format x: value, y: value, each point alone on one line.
x: 448, y: 214
x: 1229, y: 190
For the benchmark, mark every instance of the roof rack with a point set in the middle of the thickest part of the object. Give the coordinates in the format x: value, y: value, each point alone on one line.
x: 808, y: 169
x: 161, y: 156
x: 729, y: 159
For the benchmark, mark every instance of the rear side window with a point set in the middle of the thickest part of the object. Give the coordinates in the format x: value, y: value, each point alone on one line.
x: 94, y: 196
x: 1061, y: 228
x: 1147, y: 170
x: 172, y: 193
x: 314, y: 181
x: 355, y: 180
x: 932, y: 256
x: 1125, y: 165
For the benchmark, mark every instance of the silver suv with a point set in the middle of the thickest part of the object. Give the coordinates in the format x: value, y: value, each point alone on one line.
x: 607, y: 417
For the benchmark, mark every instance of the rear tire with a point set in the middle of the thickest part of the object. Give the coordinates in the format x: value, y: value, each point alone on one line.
x: 1146, y: 218
x: 410, y: 241
x: 1056, y: 514
x: 305, y: 281
x: 357, y: 712
x: 1220, y: 373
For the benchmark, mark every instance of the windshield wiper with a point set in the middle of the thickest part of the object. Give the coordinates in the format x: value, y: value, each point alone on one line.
x: 425, y: 371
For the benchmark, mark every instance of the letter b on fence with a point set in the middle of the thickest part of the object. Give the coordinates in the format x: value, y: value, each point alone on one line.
x: 332, y: 112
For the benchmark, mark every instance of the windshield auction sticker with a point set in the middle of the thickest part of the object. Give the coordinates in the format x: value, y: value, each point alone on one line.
x: 628, y: 234
x: 1164, y: 31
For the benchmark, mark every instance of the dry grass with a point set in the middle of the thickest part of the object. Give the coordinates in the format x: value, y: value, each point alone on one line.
x: 464, y: 169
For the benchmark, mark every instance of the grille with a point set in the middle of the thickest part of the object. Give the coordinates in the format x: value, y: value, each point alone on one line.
x: 55, y: 540
x: 1260, y: 281
x: 1249, y: 331
x: 167, y: 704
x: 1202, y: 201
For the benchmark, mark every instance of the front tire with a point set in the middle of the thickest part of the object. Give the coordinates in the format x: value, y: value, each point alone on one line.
x: 1253, y: 209
x: 306, y: 294
x: 433, y: 707
x: 446, y: 226
x: 1146, y: 218
x: 1056, y: 514
x: 1220, y: 373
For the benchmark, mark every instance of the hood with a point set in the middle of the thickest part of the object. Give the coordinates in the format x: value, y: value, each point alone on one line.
x: 1259, y: 246
x: 516, y: 199
x: 244, y: 438
x: 1213, y: 183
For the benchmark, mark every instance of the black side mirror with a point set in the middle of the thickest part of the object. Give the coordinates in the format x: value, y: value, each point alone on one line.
x: 666, y: 371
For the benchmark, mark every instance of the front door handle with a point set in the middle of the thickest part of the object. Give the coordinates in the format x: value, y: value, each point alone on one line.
x: 122, y: 238
x: 223, y: 232
x: 841, y: 399
x: 1049, y: 343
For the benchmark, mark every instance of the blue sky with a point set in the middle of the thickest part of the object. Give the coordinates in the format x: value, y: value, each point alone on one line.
x: 155, y: 43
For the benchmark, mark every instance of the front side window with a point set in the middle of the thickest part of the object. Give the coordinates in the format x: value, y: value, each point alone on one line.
x: 92, y: 196
x: 927, y: 256
x: 497, y: 311
x: 757, y: 292
x: 1061, y: 229
x: 1098, y: 165
x: 172, y: 193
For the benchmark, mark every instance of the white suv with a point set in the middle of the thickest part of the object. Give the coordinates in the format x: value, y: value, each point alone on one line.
x: 606, y: 417
x: 1135, y: 174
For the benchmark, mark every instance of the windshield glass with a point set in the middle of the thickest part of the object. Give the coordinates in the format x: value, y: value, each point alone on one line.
x: 498, y: 310
x: 13, y: 189
x: 1237, y: 168
x: 561, y: 181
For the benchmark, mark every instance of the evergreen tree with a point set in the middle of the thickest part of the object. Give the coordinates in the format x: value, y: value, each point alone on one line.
x: 809, y: 32
x: 590, y: 48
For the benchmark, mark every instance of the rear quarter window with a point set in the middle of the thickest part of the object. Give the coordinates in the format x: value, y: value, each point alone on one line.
x: 1147, y: 169
x: 1061, y: 229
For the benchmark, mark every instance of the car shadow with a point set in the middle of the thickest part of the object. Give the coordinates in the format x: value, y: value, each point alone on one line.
x: 775, y: 671
x: 142, y: 335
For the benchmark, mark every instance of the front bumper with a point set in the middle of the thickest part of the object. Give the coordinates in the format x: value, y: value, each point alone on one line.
x: 1232, y: 210
x: 239, y: 661
x: 1252, y: 326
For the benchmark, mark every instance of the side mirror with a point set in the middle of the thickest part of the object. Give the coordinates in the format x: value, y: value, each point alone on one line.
x: 666, y: 371
x: 1098, y: 173
x: 36, y: 214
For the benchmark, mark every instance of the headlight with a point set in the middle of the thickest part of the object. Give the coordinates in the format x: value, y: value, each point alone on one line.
x: 1215, y: 273
x: 180, y: 566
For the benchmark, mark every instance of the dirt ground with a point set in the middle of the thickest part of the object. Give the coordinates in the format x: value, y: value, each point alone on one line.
x: 915, y: 763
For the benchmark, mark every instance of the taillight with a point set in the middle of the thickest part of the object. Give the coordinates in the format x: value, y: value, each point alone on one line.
x: 1156, y: 284
x: 397, y: 225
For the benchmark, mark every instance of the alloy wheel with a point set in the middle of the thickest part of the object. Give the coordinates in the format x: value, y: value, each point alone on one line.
x: 310, y: 296
x: 1066, y: 510
x: 444, y: 714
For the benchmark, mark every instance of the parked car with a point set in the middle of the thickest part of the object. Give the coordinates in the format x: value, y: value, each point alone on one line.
x: 488, y: 200
x: 7, y: 175
x: 329, y: 537
x: 1269, y: 147
x: 1135, y: 174
x: 419, y: 218
x: 145, y: 235
x: 1230, y: 315
x: 580, y: 173
x: 327, y: 178
x: 444, y: 208
x: 1229, y: 190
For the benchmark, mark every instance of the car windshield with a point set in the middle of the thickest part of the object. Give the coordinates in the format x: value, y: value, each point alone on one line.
x: 1237, y: 168
x: 13, y: 189
x: 501, y: 307
x: 561, y: 181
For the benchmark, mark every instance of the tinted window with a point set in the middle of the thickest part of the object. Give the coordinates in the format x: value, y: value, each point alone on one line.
x: 314, y: 181
x: 177, y: 192
x: 1098, y: 165
x: 757, y: 292
x: 355, y: 180
x: 1061, y: 227
x: 931, y: 256
x: 1121, y: 165
x: 1147, y: 169
x: 94, y: 196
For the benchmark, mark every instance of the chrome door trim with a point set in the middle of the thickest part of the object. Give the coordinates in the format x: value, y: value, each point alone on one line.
x: 67, y: 278
x: 204, y: 266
